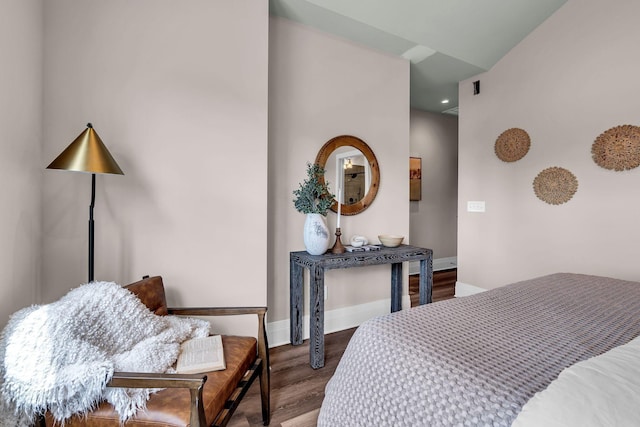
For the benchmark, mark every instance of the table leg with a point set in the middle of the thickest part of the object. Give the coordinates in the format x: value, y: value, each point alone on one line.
x: 295, y: 303
x: 316, y: 318
x: 426, y: 280
x: 396, y: 286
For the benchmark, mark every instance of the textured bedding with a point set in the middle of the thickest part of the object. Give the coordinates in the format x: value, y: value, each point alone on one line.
x: 477, y: 360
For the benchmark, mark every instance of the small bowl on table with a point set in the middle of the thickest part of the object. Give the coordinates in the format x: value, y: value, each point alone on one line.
x: 390, y: 240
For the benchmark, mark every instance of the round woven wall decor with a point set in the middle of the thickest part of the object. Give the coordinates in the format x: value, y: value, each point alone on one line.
x: 555, y: 185
x: 512, y: 144
x: 618, y: 148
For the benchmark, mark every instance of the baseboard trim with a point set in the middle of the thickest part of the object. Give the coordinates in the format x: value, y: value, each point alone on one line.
x: 464, y: 289
x: 438, y: 264
x: 334, y: 320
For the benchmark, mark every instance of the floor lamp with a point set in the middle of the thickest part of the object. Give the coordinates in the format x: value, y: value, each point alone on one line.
x: 87, y: 153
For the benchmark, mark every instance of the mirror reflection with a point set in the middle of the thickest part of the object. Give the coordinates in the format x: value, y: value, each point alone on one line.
x: 348, y: 169
x: 351, y: 166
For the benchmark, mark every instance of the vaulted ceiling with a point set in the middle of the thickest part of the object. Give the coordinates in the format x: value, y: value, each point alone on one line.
x: 446, y: 41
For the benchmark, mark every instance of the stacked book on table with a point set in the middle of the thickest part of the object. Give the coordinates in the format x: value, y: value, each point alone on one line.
x: 363, y: 248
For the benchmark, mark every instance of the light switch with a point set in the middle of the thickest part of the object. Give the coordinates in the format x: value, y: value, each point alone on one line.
x: 475, y: 206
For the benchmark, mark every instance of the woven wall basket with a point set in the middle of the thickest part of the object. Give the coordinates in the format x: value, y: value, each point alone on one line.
x: 512, y: 144
x: 618, y: 148
x: 555, y: 185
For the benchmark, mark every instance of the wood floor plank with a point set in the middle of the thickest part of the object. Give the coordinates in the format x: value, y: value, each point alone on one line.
x: 297, y: 390
x: 309, y: 419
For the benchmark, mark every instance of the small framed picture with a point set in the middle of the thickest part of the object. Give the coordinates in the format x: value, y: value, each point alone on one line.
x: 415, y: 178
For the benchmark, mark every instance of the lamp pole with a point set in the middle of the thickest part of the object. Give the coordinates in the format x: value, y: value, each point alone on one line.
x: 93, y: 202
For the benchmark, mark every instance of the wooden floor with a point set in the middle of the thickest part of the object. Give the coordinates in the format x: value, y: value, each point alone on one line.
x: 297, y: 390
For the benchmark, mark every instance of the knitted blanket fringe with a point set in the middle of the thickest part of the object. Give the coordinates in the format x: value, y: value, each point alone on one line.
x: 60, y: 356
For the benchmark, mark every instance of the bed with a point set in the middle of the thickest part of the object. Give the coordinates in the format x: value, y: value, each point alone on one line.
x: 478, y: 360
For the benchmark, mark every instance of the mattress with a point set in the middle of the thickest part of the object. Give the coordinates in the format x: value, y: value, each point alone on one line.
x: 477, y: 360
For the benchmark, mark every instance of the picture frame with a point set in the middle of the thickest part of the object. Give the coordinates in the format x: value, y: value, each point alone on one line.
x: 415, y: 179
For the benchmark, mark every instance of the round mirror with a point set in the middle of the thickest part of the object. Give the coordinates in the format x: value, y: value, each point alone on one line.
x: 351, y: 166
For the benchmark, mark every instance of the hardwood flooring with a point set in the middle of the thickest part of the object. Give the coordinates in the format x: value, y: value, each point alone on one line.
x: 297, y: 390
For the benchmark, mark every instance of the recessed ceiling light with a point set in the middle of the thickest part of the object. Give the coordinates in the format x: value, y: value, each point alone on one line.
x: 445, y: 101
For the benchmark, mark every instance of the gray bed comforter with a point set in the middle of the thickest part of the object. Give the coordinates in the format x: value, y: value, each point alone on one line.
x: 475, y: 361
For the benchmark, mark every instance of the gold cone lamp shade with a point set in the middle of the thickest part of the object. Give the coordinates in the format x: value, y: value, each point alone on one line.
x: 87, y: 153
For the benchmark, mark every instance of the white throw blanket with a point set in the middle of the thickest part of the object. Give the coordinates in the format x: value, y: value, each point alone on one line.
x: 60, y: 356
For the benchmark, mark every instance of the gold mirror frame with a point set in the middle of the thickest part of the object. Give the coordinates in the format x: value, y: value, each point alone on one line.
x: 343, y: 141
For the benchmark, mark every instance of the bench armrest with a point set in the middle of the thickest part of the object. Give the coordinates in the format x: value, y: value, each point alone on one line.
x: 151, y: 380
x: 216, y: 311
x: 194, y: 382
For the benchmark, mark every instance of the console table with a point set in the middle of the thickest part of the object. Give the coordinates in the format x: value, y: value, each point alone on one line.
x: 317, y: 264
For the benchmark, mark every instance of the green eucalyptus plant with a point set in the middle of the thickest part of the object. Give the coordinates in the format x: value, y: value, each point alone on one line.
x: 313, y: 195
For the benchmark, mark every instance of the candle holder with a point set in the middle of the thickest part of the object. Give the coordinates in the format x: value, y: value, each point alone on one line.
x: 338, y: 248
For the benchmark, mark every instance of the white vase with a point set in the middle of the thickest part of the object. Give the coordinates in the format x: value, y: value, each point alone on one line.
x: 316, y: 234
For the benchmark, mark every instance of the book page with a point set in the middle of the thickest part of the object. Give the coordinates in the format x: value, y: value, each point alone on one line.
x: 201, y: 355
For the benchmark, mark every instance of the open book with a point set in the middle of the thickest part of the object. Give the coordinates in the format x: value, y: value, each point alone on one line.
x: 201, y: 355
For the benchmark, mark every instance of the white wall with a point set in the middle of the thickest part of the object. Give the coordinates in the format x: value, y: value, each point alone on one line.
x: 571, y: 79
x: 434, y: 219
x: 178, y: 93
x: 21, y: 167
x: 321, y: 86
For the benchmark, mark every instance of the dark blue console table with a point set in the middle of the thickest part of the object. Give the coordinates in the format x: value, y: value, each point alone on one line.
x: 317, y: 264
